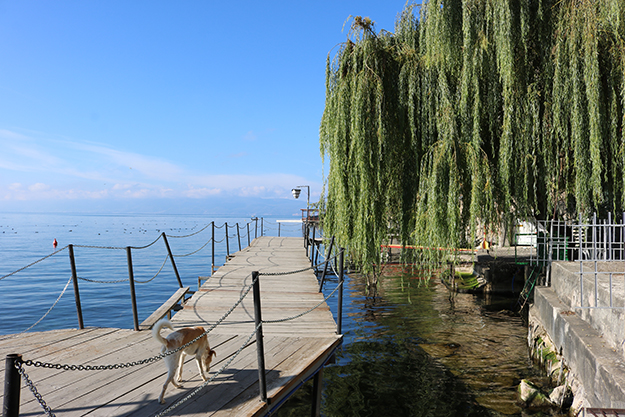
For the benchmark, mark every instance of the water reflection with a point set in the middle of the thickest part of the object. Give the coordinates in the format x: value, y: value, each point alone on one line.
x: 412, y: 349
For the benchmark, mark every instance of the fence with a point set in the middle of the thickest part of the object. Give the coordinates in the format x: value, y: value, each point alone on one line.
x: 592, y: 243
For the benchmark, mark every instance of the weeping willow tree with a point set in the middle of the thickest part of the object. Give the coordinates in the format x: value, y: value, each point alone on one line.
x: 471, y: 115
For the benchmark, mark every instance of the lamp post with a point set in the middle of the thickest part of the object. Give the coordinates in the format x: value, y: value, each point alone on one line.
x: 297, y: 191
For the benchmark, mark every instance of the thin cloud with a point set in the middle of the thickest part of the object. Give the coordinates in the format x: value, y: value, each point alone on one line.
x: 250, y: 136
x: 35, y: 167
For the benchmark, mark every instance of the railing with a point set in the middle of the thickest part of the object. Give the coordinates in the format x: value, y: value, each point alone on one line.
x: 590, y: 243
x: 310, y: 215
x: 233, y: 236
x: 15, y: 365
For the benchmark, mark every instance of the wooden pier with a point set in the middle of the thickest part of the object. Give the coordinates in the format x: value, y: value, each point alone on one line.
x: 294, y: 350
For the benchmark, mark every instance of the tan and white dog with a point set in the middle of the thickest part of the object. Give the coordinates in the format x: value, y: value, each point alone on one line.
x: 201, y: 349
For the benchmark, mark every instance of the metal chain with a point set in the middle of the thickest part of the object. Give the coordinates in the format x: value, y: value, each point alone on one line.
x: 159, y: 271
x: 148, y: 245
x: 104, y: 282
x: 36, y: 262
x: 192, y: 234
x: 39, y: 364
x: 33, y: 389
x: 286, y: 273
x: 100, y: 247
x: 194, y: 252
x: 44, y: 316
x: 305, y: 312
x: 198, y: 389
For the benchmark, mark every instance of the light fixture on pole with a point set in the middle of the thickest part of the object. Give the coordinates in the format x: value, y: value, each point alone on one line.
x: 297, y: 191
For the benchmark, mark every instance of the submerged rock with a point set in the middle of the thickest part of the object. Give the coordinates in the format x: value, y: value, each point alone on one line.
x: 562, y: 397
x: 532, y: 396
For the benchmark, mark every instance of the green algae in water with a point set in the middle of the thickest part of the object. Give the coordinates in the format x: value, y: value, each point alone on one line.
x: 418, y: 350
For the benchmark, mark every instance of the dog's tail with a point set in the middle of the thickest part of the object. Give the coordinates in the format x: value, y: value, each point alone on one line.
x: 156, y: 330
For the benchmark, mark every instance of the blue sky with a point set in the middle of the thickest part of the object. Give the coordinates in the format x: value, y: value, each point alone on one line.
x: 199, y: 106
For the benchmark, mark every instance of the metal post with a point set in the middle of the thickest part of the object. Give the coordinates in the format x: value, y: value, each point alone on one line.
x: 171, y: 258
x: 12, y: 385
x: 260, y: 348
x: 213, y: 249
x: 279, y: 224
x: 239, y: 236
x: 262, y: 226
x: 248, y: 234
x: 581, y: 266
x: 227, y: 242
x: 316, y: 397
x: 133, y: 297
x: 255, y: 227
x: 610, y: 242
x: 72, y: 262
x: 325, y: 265
x: 623, y: 235
x: 594, y: 236
x: 339, y: 318
x: 312, y: 246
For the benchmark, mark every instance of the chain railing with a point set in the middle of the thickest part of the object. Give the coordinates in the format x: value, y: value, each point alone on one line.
x: 131, y: 279
x: 15, y: 361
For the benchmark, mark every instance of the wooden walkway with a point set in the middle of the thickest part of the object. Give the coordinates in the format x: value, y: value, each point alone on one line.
x: 294, y: 350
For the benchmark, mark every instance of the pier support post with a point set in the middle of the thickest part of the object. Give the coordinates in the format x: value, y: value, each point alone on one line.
x: 260, y: 348
x: 213, y: 249
x: 227, y: 242
x: 312, y: 247
x: 325, y: 265
x: 12, y: 385
x: 133, y: 296
x: 316, y: 394
x: 171, y: 258
x: 339, y: 314
x: 72, y: 263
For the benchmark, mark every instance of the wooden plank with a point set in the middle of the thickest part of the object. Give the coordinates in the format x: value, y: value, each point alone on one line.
x: 239, y: 376
x: 293, y: 348
x: 136, y: 388
x: 163, y: 310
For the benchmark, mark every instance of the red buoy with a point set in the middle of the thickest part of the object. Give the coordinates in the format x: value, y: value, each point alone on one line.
x: 55, y: 243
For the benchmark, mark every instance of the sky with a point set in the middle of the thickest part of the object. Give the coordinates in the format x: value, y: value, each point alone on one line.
x: 198, y: 107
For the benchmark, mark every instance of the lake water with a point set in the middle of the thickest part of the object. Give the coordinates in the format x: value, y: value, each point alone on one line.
x: 410, y: 349
x: 413, y: 349
x: 26, y: 238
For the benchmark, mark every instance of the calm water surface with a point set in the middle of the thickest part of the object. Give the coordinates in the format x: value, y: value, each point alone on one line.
x: 410, y: 349
x: 26, y: 238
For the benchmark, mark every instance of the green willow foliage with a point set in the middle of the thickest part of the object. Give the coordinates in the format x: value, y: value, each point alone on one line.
x: 473, y: 114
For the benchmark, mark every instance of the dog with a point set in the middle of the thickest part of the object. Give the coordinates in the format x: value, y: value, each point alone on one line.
x: 201, y: 349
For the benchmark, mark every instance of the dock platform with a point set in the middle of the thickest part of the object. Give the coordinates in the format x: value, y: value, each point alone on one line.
x: 294, y: 349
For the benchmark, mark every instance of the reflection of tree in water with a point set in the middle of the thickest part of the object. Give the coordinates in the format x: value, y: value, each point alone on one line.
x: 387, y: 378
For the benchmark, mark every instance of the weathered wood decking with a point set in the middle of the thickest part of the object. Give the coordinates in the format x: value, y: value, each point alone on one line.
x: 294, y: 349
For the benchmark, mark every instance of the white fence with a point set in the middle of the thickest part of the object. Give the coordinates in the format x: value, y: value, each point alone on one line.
x: 599, y: 247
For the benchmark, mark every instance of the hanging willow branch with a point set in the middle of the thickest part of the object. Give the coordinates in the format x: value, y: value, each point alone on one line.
x: 471, y: 115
